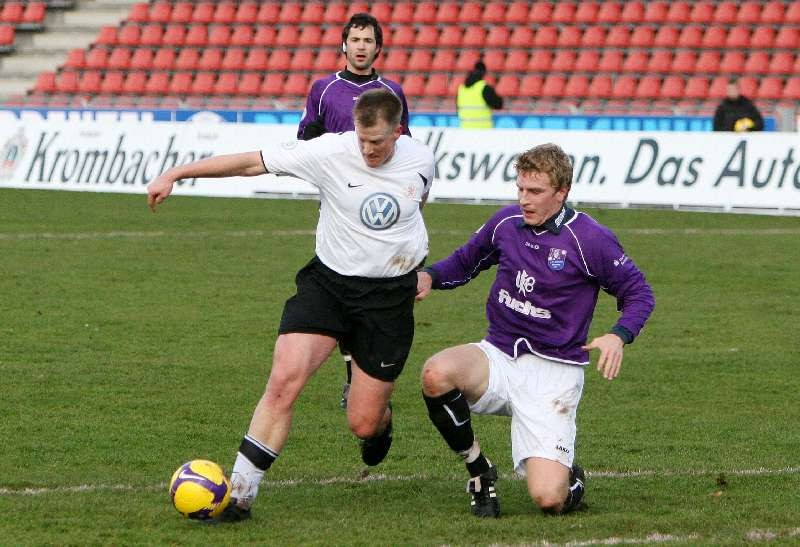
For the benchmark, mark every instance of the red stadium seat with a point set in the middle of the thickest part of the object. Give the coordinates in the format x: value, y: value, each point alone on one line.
x: 129, y: 35
x: 719, y: 87
x: 757, y: 63
x: 564, y: 60
x: 396, y: 60
x: 763, y: 37
x: 179, y: 84
x: 421, y: 60
x: 618, y: 36
x: 112, y: 83
x: 160, y: 12
x: 196, y: 36
x: 702, y: 12
x: 203, y: 83
x: 89, y: 82
x: 427, y: 36
x: 600, y: 86
x: 436, y: 86
x: 791, y: 90
x: 660, y: 61
x: 335, y: 13
x: 633, y: 12
x: 749, y: 13
x: 67, y: 82
x: 494, y: 13
x: 714, y: 37
x: 246, y: 14
x: 313, y: 13
x: 302, y: 60
x: 219, y: 35
x: 563, y: 13
x: 748, y: 85
x: 466, y: 60
x: 738, y: 37
x: 265, y: 36
x: 691, y: 36
x: 402, y: 12
x: 382, y: 11
x: 310, y: 36
x: 672, y: 87
x: 540, y: 61
x: 280, y: 59
x: 233, y: 59
x: 141, y: 59
x: 403, y: 36
x: 447, y: 13
x: 725, y: 13
x: 451, y: 36
x: 204, y: 14
x: 136, y: 82
x: 787, y: 38
x: 708, y: 61
x: 225, y: 84
x: 188, y: 59
x: 97, y: 58
x: 290, y: 13
x: 782, y: 62
x: 611, y: 61
x: 609, y: 12
x: 517, y: 13
x: 648, y: 87
x: 696, y: 88
x: 684, y: 62
x: 471, y: 13
x: 636, y: 61
x: 553, y: 86
x: 656, y: 12
x: 497, y: 36
x: 773, y: 13
x: 521, y: 36
x: 667, y: 37
x: 624, y: 87
x: 531, y: 86
x: 507, y: 85
x: 272, y: 85
x: 140, y: 13
x: 569, y: 37
x: 588, y: 60
x: 414, y: 85
x: 577, y: 86
x: 210, y: 59
x: 732, y: 62
x: 593, y: 37
x: 119, y: 59
x: 257, y: 59
x: 363, y: 7
x: 34, y: 14
x: 444, y: 60
x: 76, y: 58
x: 288, y: 36
x: 679, y: 12
x: 770, y: 88
x: 540, y: 13
x: 151, y: 35
x: 474, y: 36
x: 242, y: 35
x: 269, y: 13
x: 516, y: 61
x: 249, y: 84
x: 225, y: 13
x: 546, y: 36
x: 643, y: 36
x: 45, y: 82
x: 425, y: 13
x: 181, y: 13
x: 586, y: 13
x: 174, y: 35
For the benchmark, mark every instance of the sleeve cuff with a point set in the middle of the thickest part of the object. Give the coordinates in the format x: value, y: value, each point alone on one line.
x: 430, y: 271
x: 623, y: 333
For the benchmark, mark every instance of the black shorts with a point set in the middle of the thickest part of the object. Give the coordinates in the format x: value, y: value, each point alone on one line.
x: 373, y: 318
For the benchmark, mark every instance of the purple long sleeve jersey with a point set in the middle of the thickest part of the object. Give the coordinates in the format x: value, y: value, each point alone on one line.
x: 331, y: 101
x: 547, y: 282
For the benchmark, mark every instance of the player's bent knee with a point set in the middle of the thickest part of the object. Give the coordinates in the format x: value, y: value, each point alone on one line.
x: 436, y: 377
x: 365, y: 429
x: 548, y: 500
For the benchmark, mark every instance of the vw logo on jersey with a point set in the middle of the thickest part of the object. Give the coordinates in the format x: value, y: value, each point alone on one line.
x: 379, y: 211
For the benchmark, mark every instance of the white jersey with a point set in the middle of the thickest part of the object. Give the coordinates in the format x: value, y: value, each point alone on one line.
x: 370, y: 223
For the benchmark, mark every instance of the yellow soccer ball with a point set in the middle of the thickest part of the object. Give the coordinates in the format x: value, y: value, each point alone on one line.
x: 200, y: 490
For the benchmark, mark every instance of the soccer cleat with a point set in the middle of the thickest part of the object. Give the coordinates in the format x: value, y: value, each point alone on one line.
x: 484, y: 502
x: 233, y: 513
x: 577, y: 487
x: 345, y: 394
x: 374, y: 450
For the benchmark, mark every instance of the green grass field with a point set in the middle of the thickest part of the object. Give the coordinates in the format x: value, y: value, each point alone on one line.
x: 132, y: 342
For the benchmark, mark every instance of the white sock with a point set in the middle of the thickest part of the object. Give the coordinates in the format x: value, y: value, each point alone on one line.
x: 245, y: 480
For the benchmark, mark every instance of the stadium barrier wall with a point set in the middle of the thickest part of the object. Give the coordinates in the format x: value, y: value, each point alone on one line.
x: 719, y: 171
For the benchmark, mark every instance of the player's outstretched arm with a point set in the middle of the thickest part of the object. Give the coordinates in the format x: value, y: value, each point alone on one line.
x: 611, y: 349
x: 424, y: 285
x: 246, y: 164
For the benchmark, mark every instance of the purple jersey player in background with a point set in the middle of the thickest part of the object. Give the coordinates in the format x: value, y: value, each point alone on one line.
x: 329, y: 107
x: 551, y: 263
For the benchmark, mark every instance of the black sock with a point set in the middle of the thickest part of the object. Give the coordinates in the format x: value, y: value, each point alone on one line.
x: 479, y: 466
x: 258, y: 454
x: 450, y: 414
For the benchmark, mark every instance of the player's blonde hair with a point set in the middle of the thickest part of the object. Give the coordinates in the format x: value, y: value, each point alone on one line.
x: 377, y: 104
x: 549, y: 159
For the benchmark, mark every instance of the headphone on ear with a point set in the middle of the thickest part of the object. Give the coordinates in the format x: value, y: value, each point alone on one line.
x: 344, y: 47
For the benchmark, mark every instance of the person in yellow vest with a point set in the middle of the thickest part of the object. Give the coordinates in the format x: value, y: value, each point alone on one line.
x: 476, y: 99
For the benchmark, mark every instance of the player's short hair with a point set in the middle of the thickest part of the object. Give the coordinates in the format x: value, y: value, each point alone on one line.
x: 549, y: 159
x: 375, y: 105
x: 364, y: 20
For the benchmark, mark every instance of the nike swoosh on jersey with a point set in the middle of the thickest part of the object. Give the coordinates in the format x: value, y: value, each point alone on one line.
x: 353, y: 185
x: 424, y: 180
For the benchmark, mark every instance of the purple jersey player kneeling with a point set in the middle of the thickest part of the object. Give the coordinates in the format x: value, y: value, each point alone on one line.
x: 551, y: 263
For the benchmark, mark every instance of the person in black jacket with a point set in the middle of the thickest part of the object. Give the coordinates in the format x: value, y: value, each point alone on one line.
x: 736, y: 112
x: 476, y: 99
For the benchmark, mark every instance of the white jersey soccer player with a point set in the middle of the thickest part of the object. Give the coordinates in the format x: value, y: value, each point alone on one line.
x: 370, y: 224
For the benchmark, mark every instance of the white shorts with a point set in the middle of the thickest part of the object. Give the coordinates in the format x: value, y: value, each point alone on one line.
x: 541, y: 396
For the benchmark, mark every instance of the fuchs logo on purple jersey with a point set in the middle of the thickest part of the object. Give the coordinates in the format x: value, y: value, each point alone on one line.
x: 379, y: 211
x: 557, y: 259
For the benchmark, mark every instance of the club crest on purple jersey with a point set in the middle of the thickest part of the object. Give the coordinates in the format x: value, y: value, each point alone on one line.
x: 557, y: 259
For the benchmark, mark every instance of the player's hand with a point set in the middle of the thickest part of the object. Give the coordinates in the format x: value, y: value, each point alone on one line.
x: 611, y: 349
x: 158, y: 191
x: 424, y: 285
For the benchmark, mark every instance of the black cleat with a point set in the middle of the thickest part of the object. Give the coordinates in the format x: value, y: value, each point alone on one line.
x: 577, y: 488
x: 484, y: 501
x: 374, y: 450
x: 345, y: 394
x: 233, y: 513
